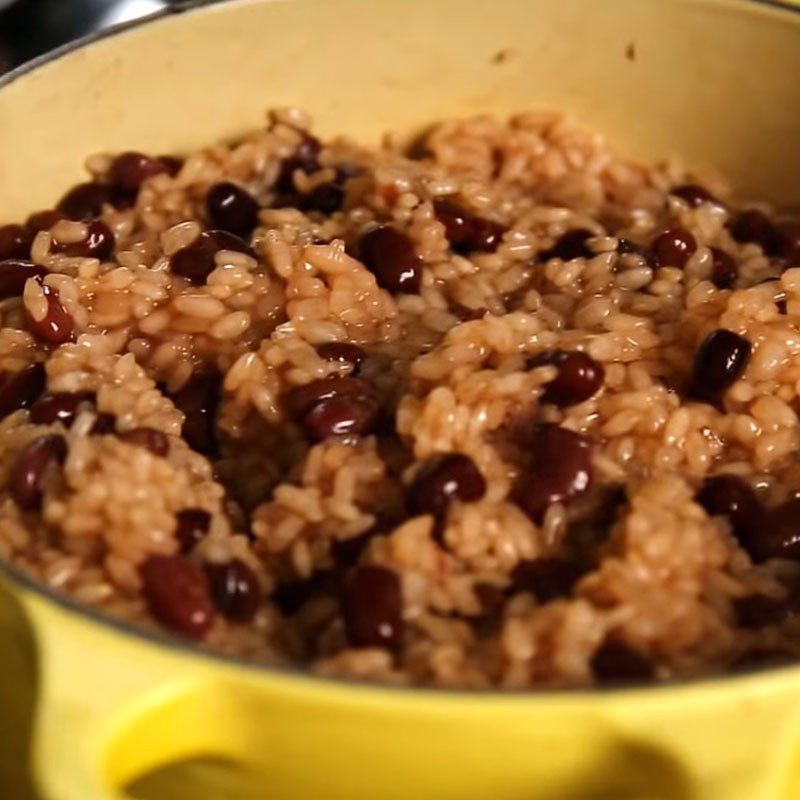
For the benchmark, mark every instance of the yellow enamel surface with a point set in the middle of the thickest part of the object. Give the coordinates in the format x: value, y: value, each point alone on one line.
x: 115, y: 706
x: 714, y: 82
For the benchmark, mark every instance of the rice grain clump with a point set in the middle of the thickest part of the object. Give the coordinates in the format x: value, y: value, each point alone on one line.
x: 499, y: 409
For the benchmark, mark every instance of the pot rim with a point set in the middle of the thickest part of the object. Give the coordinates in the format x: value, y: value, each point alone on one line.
x: 186, y: 647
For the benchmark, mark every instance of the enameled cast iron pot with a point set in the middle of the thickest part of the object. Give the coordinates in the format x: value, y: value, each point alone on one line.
x: 714, y: 81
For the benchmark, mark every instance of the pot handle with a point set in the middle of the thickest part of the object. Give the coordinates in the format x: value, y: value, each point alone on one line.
x: 112, y: 708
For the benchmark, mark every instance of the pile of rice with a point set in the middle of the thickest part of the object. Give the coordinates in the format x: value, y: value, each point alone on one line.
x: 339, y: 564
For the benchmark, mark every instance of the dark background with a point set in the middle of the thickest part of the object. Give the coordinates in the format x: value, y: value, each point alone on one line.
x: 29, y: 28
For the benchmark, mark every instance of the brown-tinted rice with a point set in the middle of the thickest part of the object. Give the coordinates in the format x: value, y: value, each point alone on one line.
x: 450, y: 366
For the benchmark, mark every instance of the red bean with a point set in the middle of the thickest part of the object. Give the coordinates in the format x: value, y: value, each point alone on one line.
x: 456, y: 220
x: 58, y: 407
x: 579, y: 376
x: 572, y: 244
x: 486, y: 235
x: 177, y: 593
x: 129, y: 170
x: 346, y: 552
x: 20, y: 389
x: 30, y: 467
x: 85, y: 201
x: 222, y: 240
x: 723, y: 269
x: 333, y: 406
x: 305, y: 159
x: 466, y: 231
x: 720, y: 361
x: 232, y: 209
x: 443, y: 479
x: 389, y: 255
x: 173, y: 164
x: 756, y: 227
x: 343, y: 353
x: 616, y: 661
x: 57, y: 326
x: 546, y: 578
x: 291, y: 596
x: 561, y: 469
x: 99, y: 242
x: 235, y: 590
x: 151, y: 439
x: 300, y: 400
x: 341, y: 416
x: 191, y: 527
x: 13, y: 275
x: 327, y: 198
x: 195, y: 262
x: 694, y: 194
x: 673, y: 248
x: 198, y: 400
x: 103, y: 425
x: 372, y: 608
x: 294, y: 201
x: 44, y: 220
x: 732, y: 497
x: 308, y: 150
x: 15, y: 242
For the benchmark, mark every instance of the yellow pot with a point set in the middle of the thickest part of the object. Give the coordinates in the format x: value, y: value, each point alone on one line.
x: 715, y: 81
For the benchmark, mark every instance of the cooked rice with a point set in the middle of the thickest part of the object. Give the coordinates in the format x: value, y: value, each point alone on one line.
x: 450, y: 364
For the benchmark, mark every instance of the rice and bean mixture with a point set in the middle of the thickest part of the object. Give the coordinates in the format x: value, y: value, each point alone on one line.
x: 492, y: 407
